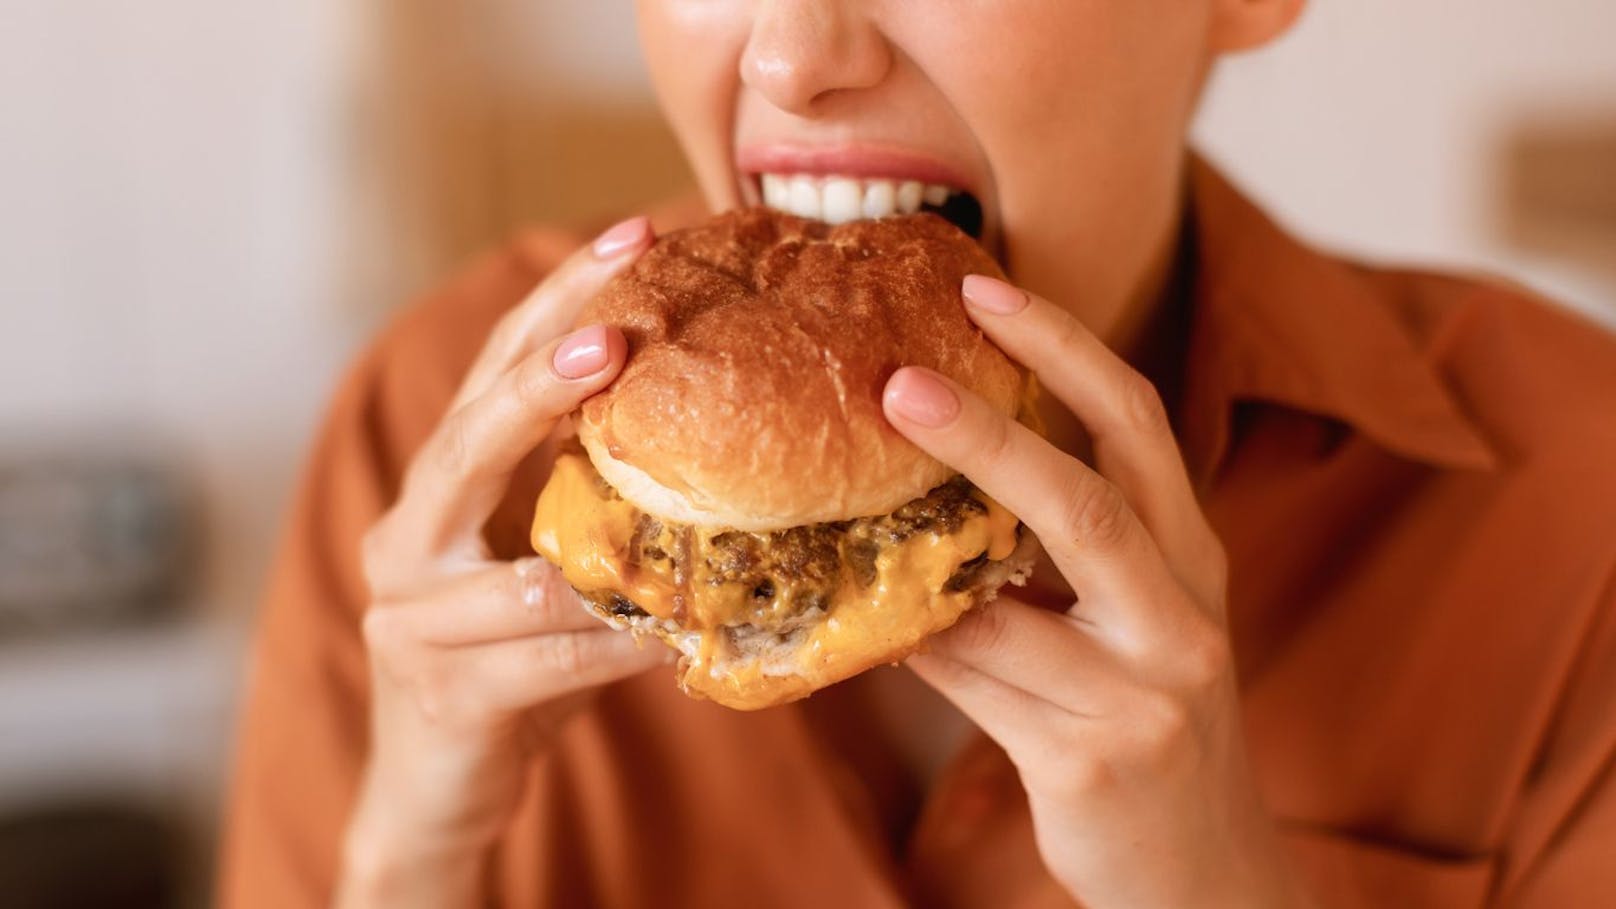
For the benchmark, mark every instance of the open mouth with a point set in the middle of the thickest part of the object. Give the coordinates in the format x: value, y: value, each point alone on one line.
x: 837, y: 199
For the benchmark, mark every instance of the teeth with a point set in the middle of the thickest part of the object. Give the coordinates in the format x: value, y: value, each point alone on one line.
x: 841, y: 202
x: 909, y: 193
x: 841, y: 199
x: 804, y: 199
x: 880, y: 198
x: 776, y: 192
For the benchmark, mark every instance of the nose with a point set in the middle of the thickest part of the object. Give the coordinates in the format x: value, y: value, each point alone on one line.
x: 801, y: 51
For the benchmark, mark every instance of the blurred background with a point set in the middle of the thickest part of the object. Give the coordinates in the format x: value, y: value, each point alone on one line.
x: 205, y: 208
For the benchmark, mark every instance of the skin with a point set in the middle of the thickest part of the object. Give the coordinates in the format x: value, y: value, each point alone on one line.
x: 1119, y: 706
x: 475, y: 663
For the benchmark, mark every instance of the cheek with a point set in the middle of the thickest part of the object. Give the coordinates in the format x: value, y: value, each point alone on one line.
x: 1079, y: 105
x: 1068, y: 82
x: 692, y: 50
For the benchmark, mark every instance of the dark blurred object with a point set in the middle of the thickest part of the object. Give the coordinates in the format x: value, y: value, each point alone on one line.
x: 89, y: 856
x: 91, y: 541
x: 1559, y: 188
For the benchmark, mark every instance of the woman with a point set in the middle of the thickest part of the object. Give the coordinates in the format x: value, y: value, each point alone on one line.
x: 1328, y: 616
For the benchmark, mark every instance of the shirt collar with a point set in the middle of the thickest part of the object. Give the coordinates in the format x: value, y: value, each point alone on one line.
x: 1276, y: 322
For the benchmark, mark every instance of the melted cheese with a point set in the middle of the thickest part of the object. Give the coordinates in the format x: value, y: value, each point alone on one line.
x: 587, y: 532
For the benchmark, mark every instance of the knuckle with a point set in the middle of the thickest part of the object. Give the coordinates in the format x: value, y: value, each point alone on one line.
x: 1161, y: 723
x: 377, y: 555
x: 457, y: 701
x: 565, y: 655
x: 428, y: 694
x: 1096, y: 515
x: 1141, y: 404
x: 1075, y: 777
x: 444, y: 694
x: 1157, y: 732
x: 981, y: 630
x: 1203, y: 659
x: 1069, y: 333
x: 452, y: 452
x: 531, y: 381
x: 995, y: 444
x: 379, y: 629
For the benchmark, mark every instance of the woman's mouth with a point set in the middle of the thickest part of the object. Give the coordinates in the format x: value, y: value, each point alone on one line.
x: 850, y: 181
x: 837, y: 199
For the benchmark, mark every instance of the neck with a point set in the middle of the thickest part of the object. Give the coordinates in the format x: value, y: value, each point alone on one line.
x: 1147, y: 324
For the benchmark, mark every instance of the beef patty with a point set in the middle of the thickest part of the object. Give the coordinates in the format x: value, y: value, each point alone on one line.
x: 791, y: 575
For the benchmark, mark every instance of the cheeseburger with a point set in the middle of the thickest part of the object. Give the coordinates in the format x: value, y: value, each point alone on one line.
x: 737, y: 492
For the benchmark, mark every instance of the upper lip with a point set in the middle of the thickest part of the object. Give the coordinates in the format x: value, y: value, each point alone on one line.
x: 866, y: 161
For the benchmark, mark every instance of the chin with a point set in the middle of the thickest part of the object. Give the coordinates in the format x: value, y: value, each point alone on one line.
x: 737, y: 493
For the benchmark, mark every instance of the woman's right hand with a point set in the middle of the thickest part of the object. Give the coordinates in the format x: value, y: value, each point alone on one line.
x: 475, y: 663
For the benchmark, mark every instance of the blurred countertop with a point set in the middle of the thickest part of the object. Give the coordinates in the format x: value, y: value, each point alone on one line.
x: 143, y: 713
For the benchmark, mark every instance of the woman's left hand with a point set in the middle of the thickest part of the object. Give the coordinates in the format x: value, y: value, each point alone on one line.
x: 1121, y: 713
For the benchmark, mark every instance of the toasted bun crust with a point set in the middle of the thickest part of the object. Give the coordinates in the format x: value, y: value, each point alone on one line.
x: 759, y: 344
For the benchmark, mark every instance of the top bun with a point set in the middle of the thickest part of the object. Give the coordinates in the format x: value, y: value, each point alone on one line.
x: 759, y: 345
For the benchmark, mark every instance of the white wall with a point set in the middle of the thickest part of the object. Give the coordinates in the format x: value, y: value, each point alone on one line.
x: 171, y: 238
x: 1374, y: 126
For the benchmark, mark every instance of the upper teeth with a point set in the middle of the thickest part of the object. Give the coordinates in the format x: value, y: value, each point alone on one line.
x: 839, y: 199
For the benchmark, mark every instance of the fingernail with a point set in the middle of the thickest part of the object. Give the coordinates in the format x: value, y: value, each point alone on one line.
x: 531, y: 576
x: 583, y: 353
x: 992, y: 295
x: 621, y: 236
x: 919, y: 396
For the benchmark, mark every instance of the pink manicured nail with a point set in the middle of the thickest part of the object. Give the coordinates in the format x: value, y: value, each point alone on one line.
x: 992, y: 295
x: 621, y: 236
x: 583, y: 353
x: 918, y: 395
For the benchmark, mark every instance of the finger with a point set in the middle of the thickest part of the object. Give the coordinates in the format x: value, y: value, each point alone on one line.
x: 1051, y: 654
x: 1082, y: 521
x: 461, y: 473
x: 509, y: 675
x: 1011, y: 716
x: 554, y: 305
x: 501, y: 601
x: 1134, y: 446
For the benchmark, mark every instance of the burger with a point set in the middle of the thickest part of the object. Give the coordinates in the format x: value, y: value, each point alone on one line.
x: 737, y: 492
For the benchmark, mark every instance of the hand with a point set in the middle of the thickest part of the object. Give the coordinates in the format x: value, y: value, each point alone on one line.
x: 1121, y: 713
x: 474, y: 662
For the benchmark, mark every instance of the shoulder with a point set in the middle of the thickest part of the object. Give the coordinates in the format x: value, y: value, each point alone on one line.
x: 408, y: 373
x: 414, y: 364
x: 439, y: 334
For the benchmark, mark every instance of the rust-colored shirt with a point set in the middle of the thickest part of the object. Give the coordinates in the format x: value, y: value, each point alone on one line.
x: 1415, y: 477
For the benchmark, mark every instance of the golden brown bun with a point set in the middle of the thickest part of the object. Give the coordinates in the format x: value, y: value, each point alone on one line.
x: 759, y: 344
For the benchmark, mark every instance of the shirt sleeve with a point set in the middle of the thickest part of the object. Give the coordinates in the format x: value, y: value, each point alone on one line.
x: 303, y: 732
